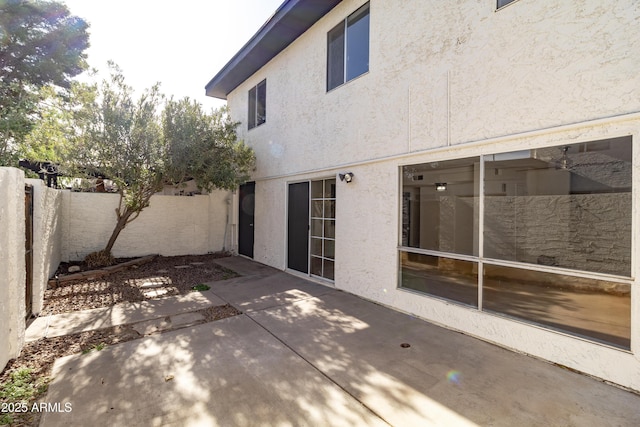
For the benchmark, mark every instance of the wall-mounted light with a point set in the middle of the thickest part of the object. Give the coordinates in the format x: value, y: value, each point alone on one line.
x: 441, y: 186
x: 346, y: 177
x: 564, y: 162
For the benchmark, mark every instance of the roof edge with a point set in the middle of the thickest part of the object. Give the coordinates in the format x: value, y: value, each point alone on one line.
x: 288, y: 22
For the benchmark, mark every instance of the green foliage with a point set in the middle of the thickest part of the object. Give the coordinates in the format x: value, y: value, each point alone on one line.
x: 204, y: 146
x: 50, y: 136
x: 17, y: 107
x: 119, y: 137
x: 142, y: 145
x: 21, y: 387
x: 201, y: 287
x: 96, y: 347
x: 41, y: 44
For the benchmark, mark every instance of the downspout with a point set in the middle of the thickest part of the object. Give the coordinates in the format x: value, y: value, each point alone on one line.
x: 229, y: 201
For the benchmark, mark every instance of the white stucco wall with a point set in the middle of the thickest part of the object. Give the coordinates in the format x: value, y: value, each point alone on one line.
x: 445, y: 73
x: 169, y: 226
x: 12, y: 264
x: 446, y: 80
x: 47, y: 238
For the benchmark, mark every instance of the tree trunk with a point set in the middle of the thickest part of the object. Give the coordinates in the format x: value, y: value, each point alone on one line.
x: 122, y: 222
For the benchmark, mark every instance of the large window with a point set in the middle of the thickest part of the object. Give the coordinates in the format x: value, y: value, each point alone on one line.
x: 542, y: 235
x: 348, y: 48
x: 258, y: 104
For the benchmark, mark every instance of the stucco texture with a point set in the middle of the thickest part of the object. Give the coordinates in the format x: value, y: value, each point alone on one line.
x: 12, y: 263
x: 171, y: 225
x: 47, y: 238
x: 444, y: 73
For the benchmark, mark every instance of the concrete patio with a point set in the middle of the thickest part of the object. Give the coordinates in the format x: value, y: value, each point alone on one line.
x: 306, y: 354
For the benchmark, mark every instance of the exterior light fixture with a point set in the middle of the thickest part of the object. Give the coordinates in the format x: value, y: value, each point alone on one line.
x: 564, y: 162
x: 441, y: 186
x: 346, y: 177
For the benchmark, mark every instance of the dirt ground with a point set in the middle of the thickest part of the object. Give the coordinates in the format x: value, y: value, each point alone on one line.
x: 126, y: 285
x: 106, y: 291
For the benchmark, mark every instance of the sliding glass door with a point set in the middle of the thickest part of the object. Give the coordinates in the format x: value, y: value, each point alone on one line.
x: 311, y: 227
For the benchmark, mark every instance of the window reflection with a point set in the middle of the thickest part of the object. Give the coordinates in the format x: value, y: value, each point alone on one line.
x: 567, y: 206
x: 443, y: 277
x: 591, y: 308
x: 440, y: 206
x: 563, y: 207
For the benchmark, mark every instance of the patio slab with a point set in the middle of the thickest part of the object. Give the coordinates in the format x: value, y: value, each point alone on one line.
x: 306, y: 354
x: 443, y: 378
x: 251, y: 293
x: 245, y: 267
x: 119, y: 314
x: 227, y: 373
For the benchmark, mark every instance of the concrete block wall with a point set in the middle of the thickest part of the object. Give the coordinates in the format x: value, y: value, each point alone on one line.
x: 170, y: 226
x: 12, y: 264
x: 574, y: 236
x: 47, y: 238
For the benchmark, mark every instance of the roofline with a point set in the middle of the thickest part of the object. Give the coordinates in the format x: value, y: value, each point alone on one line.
x: 288, y: 22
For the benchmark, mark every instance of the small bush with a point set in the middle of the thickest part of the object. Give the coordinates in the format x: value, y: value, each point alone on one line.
x: 99, y: 259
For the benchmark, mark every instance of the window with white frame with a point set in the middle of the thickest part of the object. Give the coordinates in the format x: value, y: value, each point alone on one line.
x: 541, y: 235
x: 348, y: 48
x: 323, y: 228
x: 257, y: 104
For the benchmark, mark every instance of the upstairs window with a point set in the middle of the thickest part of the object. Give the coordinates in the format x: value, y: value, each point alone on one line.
x: 348, y: 48
x: 503, y: 3
x: 258, y: 104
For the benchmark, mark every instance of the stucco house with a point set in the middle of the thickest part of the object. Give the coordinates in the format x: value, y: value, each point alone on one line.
x: 474, y: 163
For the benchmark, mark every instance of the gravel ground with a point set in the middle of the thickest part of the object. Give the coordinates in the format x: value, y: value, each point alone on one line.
x: 106, y: 291
x: 126, y: 285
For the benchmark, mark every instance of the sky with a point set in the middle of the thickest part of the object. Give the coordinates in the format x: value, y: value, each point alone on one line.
x: 181, y: 44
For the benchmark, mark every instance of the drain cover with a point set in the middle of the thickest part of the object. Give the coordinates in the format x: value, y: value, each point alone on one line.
x: 405, y: 345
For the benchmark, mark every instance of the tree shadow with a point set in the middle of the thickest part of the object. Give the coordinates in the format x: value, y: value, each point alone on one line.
x: 305, y: 354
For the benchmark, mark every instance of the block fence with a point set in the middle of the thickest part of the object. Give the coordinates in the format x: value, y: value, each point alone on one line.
x: 67, y: 226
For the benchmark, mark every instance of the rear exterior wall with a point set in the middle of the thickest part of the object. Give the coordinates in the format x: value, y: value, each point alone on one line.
x: 446, y: 80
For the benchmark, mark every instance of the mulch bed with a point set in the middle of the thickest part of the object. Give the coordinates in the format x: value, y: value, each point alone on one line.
x: 126, y: 285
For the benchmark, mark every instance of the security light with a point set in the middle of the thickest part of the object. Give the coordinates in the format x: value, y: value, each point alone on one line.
x: 347, y: 177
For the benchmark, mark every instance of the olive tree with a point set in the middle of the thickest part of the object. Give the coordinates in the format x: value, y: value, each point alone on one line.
x: 146, y: 142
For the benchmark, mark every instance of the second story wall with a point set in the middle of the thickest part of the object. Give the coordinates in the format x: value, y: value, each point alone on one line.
x: 444, y: 73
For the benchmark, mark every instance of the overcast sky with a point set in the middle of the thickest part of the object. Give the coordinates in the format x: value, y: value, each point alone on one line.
x: 181, y: 44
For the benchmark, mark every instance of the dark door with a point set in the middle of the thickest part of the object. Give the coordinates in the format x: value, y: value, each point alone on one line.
x: 28, y: 248
x: 298, y: 227
x: 245, y: 221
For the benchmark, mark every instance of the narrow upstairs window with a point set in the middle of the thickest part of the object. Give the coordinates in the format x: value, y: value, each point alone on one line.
x: 258, y: 104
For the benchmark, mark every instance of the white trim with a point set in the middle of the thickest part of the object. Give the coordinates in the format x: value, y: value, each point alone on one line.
x: 498, y: 8
x: 480, y: 232
x: 521, y: 265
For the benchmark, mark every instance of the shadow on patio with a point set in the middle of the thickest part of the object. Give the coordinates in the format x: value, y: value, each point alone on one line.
x: 305, y: 354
